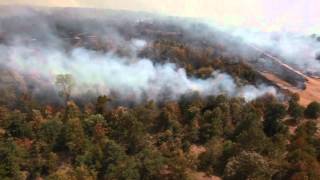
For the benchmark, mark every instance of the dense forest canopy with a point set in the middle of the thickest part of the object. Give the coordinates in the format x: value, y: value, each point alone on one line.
x: 108, y: 95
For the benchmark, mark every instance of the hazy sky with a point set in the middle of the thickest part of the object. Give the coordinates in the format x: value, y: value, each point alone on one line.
x: 266, y: 15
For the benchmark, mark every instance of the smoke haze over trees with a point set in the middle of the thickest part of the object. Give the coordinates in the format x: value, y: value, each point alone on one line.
x: 93, y: 94
x: 117, y: 68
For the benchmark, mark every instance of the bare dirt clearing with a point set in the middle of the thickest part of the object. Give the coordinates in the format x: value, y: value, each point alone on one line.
x: 307, y: 95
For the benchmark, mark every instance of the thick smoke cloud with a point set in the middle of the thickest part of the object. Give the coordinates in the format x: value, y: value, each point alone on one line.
x: 33, y: 49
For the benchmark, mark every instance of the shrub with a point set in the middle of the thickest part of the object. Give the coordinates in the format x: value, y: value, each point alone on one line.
x: 313, y: 110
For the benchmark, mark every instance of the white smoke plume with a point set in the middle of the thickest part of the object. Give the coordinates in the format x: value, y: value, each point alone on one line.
x: 103, y: 73
x: 129, y: 78
x: 300, y: 51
